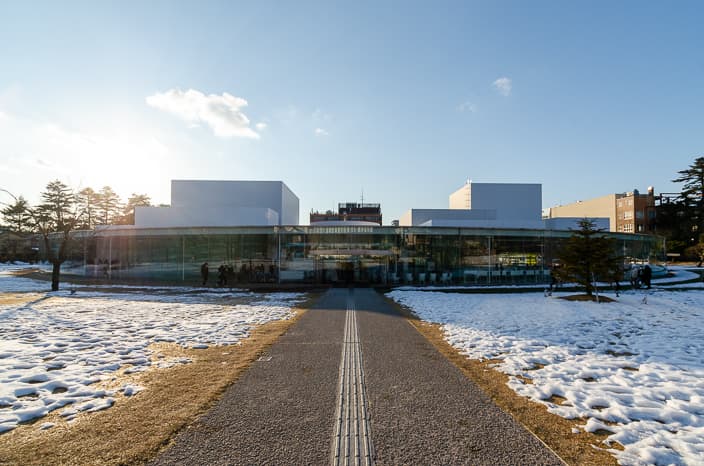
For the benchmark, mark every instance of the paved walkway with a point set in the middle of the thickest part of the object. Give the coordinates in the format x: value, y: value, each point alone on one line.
x: 289, y: 407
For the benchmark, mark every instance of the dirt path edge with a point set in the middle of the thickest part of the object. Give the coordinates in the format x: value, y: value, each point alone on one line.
x: 553, y: 431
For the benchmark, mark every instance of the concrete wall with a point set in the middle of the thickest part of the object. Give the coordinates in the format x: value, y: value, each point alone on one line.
x: 463, y: 218
x: 487, y: 205
x: 461, y: 199
x: 223, y: 203
x: 600, y: 207
x: 169, y: 217
x: 512, y: 201
x: 289, y: 207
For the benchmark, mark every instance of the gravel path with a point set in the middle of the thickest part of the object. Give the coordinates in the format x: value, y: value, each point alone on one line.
x: 422, y: 409
x: 280, y: 411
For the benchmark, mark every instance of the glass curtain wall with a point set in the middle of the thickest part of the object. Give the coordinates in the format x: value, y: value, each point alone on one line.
x: 373, y: 255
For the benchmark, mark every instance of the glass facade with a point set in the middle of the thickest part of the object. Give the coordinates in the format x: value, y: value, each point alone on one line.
x: 335, y: 254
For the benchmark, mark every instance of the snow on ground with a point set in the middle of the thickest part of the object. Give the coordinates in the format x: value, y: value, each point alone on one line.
x: 11, y: 284
x: 634, y: 367
x: 56, y: 346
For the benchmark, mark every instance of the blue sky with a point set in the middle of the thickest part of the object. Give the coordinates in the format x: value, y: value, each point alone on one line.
x: 401, y: 100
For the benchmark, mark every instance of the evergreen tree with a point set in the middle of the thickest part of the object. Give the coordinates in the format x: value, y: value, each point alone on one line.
x: 135, y: 200
x: 692, y: 194
x: 55, y: 218
x: 17, y: 216
x: 88, y: 203
x: 588, y: 256
x: 109, y: 206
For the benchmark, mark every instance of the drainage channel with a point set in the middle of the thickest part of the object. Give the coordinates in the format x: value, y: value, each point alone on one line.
x: 352, y: 443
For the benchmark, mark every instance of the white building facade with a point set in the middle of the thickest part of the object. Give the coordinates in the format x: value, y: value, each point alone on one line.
x: 485, y: 205
x: 209, y: 203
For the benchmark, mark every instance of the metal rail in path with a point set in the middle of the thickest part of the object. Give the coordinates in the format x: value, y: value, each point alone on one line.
x: 352, y: 443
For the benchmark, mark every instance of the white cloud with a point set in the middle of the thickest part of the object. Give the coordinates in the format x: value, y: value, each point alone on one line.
x: 223, y: 113
x: 261, y: 126
x: 321, y: 132
x: 503, y: 85
x: 467, y: 107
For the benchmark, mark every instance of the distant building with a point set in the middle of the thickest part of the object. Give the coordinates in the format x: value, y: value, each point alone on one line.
x: 18, y: 246
x: 350, y: 212
x: 629, y: 212
x: 485, y: 205
x: 205, y: 203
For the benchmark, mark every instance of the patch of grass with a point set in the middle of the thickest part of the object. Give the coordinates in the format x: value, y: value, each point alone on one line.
x: 135, y: 429
x: 584, y: 297
x: 13, y: 299
x: 555, y: 431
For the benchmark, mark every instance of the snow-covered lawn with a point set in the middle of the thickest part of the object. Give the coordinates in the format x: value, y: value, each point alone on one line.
x: 55, y: 346
x: 632, y: 368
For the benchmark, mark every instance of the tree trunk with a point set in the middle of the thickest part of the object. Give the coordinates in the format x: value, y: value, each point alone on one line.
x: 55, y: 273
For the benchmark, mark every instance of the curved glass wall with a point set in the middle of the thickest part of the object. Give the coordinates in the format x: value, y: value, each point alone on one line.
x: 335, y: 254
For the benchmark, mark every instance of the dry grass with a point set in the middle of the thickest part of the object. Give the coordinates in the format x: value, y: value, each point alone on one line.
x: 556, y: 432
x: 584, y: 297
x: 13, y: 299
x: 136, y: 428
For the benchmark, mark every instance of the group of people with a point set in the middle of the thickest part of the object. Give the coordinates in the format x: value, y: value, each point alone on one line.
x: 248, y: 273
x: 641, y: 276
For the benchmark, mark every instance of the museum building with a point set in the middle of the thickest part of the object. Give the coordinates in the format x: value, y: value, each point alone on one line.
x: 491, y: 234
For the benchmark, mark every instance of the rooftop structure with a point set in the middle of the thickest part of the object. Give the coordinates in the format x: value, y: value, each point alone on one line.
x: 488, y: 205
x: 205, y: 203
x: 349, y: 212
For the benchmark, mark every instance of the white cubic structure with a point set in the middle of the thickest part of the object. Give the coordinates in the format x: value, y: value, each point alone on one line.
x: 206, y: 203
x: 485, y: 205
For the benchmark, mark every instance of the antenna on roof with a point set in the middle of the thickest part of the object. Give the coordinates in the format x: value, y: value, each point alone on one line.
x: 362, y: 199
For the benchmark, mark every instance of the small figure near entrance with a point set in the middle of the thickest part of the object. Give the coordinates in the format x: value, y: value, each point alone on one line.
x: 204, y: 273
x: 635, y: 276
x: 647, y: 275
x: 222, y: 275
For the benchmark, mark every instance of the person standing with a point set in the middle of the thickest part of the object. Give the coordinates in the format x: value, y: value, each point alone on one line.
x: 647, y: 275
x: 204, y: 272
x: 222, y: 279
x: 635, y: 276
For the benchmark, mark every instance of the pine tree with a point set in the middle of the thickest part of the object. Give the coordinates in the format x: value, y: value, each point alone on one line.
x: 109, y: 205
x: 55, y: 218
x: 587, y: 256
x: 135, y: 200
x: 17, y: 216
x: 692, y: 194
x: 88, y: 202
